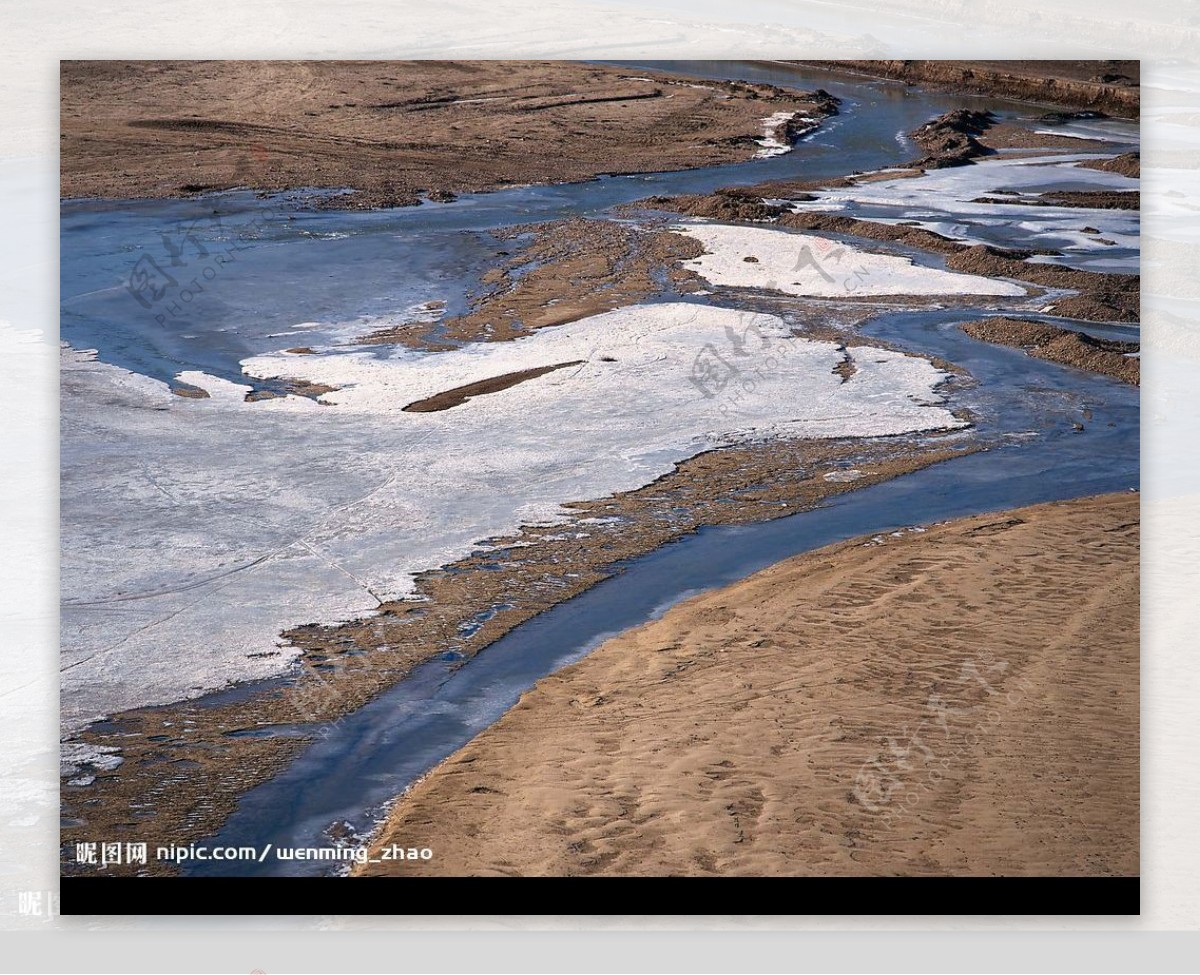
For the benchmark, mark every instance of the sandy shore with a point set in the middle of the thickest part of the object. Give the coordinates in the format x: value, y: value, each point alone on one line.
x: 395, y: 131
x: 962, y: 700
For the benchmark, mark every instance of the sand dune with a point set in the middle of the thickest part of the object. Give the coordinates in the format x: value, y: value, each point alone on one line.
x: 961, y: 700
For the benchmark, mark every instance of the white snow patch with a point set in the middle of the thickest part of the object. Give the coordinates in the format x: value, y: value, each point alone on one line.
x: 217, y: 388
x: 844, y: 476
x: 774, y: 141
x: 76, y: 757
x: 1102, y: 129
x: 1066, y: 135
x: 805, y: 264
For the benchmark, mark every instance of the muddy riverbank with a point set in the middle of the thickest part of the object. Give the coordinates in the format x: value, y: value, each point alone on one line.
x: 1105, y: 86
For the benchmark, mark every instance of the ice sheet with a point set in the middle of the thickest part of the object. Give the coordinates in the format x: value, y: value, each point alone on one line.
x: 195, y: 530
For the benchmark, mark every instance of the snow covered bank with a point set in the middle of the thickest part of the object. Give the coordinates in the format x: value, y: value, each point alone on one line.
x: 804, y: 264
x: 944, y: 201
x: 781, y: 130
x: 195, y: 530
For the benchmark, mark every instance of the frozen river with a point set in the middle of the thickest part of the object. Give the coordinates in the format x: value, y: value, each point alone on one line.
x: 195, y: 530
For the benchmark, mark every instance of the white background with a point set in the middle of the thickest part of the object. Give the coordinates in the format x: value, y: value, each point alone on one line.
x: 35, y: 36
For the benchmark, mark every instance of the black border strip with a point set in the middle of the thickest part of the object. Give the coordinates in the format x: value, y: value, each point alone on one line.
x: 819, y: 896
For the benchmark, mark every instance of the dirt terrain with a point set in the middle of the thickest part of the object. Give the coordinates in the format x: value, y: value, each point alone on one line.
x: 1104, y: 86
x: 962, y: 700
x: 563, y: 270
x: 952, y: 139
x: 395, y: 132
x: 1083, y: 199
x: 451, y: 398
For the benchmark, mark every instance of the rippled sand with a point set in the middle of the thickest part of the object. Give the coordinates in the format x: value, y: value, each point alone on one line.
x: 959, y: 700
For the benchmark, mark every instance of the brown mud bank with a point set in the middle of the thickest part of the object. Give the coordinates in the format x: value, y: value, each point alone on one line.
x: 1103, y: 86
x: 394, y: 131
x: 185, y: 765
x: 960, y: 136
x: 1062, y: 345
x: 957, y: 701
x: 564, y: 270
x: 1080, y: 199
x: 451, y: 398
x: 1127, y: 164
x: 952, y: 139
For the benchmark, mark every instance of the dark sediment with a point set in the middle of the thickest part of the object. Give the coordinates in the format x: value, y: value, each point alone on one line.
x: 1083, y: 199
x: 728, y: 204
x: 460, y: 394
x: 952, y: 139
x: 1127, y: 164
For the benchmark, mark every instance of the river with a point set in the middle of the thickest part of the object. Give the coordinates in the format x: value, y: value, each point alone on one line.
x: 335, y: 271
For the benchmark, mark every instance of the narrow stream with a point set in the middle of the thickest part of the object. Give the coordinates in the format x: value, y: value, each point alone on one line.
x: 372, y: 755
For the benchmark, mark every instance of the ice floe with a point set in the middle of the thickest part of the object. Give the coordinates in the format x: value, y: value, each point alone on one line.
x: 78, y: 757
x: 1120, y: 131
x: 776, y: 140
